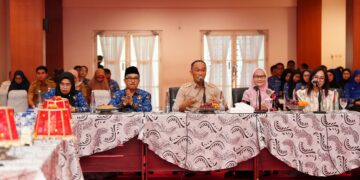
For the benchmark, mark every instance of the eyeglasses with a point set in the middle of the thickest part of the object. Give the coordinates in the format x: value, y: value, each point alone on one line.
x: 259, y: 77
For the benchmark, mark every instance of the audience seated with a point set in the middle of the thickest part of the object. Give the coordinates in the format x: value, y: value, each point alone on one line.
x: 83, y: 74
x: 66, y: 89
x: 305, y: 79
x: 332, y: 82
x: 19, y: 82
x: 114, y: 86
x: 345, y: 77
x: 98, y: 82
x: 79, y: 86
x: 352, y: 91
x: 40, y: 86
x: 289, y: 86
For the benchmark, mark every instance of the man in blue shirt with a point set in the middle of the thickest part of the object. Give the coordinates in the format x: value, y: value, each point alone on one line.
x: 132, y: 99
x: 274, y: 81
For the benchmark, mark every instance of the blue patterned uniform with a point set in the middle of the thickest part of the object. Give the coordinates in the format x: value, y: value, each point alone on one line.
x: 114, y: 86
x: 275, y: 84
x: 141, y: 99
x: 79, y: 100
x: 300, y: 85
x: 286, y: 91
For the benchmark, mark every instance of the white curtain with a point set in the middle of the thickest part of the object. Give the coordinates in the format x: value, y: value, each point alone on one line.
x: 112, y: 46
x: 250, y: 46
x: 220, y: 65
x: 144, y: 50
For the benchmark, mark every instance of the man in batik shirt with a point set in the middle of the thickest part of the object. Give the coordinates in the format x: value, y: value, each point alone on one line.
x: 40, y: 86
x: 132, y: 99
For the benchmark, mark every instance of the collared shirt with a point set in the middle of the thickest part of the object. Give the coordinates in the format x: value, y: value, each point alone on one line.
x: 141, y: 100
x: 114, y: 86
x: 327, y: 102
x: 275, y: 84
x: 192, y: 90
x: 79, y: 100
x: 35, y: 87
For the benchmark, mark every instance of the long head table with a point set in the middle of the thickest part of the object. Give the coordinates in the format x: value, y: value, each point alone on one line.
x: 315, y: 144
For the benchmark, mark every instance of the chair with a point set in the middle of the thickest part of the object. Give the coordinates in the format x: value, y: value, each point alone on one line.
x: 102, y: 97
x: 18, y: 100
x: 237, y: 94
x: 172, y: 95
x: 3, y: 97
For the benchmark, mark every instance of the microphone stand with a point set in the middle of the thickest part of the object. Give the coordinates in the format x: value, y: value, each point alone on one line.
x: 319, y: 111
x: 257, y: 100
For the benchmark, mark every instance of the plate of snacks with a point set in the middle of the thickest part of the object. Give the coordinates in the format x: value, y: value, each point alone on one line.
x: 106, y: 108
x: 296, y: 106
x: 209, y: 107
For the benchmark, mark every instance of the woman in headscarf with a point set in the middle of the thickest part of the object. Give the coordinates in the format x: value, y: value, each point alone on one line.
x: 258, y: 91
x: 318, y: 86
x: 332, y: 79
x: 345, y: 77
x: 99, y: 82
x: 80, y: 86
x: 65, y: 87
x: 290, y: 84
x: 352, y: 91
x: 19, y: 82
x: 305, y: 79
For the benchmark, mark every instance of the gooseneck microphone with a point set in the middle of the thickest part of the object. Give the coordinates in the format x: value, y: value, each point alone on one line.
x: 201, y: 79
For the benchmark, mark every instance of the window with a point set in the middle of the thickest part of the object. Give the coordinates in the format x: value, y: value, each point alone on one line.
x: 231, y: 57
x: 140, y: 49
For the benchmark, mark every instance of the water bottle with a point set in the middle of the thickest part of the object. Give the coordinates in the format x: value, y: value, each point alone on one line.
x: 92, y: 102
x: 336, y: 100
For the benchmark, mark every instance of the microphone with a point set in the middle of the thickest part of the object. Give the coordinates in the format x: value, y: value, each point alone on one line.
x: 315, y: 82
x: 201, y: 79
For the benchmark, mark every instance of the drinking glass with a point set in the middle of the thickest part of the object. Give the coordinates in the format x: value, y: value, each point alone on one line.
x: 268, y: 102
x: 343, y: 104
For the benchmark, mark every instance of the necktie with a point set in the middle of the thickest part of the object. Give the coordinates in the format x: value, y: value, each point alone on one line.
x: 204, y: 96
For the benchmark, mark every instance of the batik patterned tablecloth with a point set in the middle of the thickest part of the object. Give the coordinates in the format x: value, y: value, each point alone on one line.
x: 101, y: 132
x: 202, y: 142
x: 316, y: 144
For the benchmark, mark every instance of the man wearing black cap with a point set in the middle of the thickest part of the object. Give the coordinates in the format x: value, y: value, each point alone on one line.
x: 132, y: 99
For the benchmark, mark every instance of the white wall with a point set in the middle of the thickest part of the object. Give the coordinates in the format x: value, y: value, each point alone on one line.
x: 180, y: 41
x: 333, y: 43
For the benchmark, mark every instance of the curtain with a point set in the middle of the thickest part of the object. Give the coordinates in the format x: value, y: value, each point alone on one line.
x: 220, y: 65
x: 250, y: 46
x: 144, y: 50
x: 112, y: 46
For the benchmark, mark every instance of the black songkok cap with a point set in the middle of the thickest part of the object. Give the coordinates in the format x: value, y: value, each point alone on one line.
x: 131, y: 70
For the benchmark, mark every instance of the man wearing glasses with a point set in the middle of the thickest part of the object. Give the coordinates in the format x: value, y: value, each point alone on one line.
x: 132, y: 99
